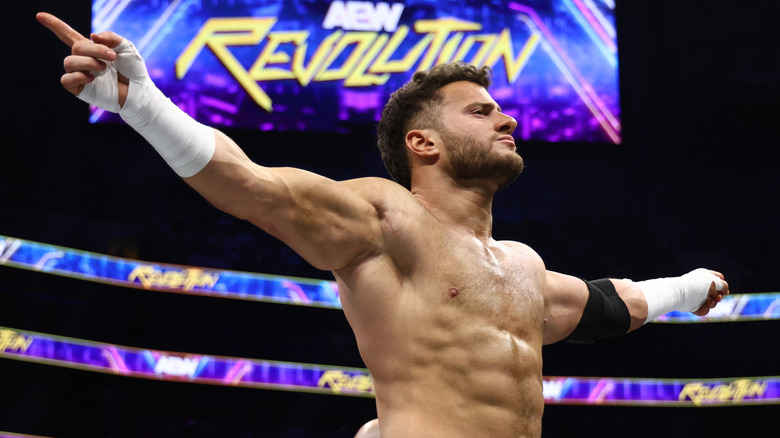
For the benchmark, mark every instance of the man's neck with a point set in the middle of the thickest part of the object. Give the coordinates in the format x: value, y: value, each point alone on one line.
x: 464, y: 207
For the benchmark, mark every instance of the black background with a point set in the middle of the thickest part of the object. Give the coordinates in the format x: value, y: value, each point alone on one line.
x: 694, y: 184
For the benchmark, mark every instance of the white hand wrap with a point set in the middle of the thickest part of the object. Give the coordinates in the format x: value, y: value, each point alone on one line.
x: 186, y: 145
x: 103, y: 92
x: 686, y: 293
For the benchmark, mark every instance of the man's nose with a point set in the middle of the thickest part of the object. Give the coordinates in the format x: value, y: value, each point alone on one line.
x: 506, y: 123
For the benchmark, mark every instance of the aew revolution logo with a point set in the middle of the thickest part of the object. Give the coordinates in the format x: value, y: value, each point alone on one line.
x: 368, y: 46
x: 738, y: 391
x: 12, y: 341
x: 185, y: 279
x: 341, y: 382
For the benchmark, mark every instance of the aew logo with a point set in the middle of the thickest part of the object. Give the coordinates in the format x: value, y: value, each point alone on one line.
x: 177, y: 366
x: 365, y: 16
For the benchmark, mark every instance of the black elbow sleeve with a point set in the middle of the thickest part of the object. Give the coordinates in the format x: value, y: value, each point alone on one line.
x: 605, y: 314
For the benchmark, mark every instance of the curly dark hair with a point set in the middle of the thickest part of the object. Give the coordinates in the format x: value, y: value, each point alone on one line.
x: 413, y: 107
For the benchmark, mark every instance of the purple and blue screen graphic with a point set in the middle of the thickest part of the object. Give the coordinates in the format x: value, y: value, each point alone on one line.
x: 329, y: 66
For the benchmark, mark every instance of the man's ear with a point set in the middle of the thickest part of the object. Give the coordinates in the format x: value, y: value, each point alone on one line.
x: 423, y: 143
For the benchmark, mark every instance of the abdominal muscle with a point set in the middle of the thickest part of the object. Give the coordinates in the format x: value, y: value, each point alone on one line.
x: 491, y: 389
x: 447, y: 369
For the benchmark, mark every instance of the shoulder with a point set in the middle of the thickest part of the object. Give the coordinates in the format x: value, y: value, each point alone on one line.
x: 374, y: 185
x: 529, y: 259
x: 526, y: 252
x: 399, y: 216
x: 385, y: 195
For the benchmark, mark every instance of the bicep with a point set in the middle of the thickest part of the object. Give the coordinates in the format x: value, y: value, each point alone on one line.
x: 325, y: 221
x: 565, y: 297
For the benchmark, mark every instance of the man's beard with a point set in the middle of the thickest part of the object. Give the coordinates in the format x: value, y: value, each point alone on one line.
x: 472, y: 161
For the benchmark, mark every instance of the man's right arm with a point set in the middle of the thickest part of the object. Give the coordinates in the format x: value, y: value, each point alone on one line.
x: 324, y: 221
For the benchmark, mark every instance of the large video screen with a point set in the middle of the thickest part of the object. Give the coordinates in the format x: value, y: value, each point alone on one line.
x: 329, y: 66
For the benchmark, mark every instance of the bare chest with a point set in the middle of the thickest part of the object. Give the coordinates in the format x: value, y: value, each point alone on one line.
x: 493, y: 284
x: 432, y: 277
x: 496, y: 285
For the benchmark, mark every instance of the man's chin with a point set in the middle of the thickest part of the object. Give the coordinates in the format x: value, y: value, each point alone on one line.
x: 502, y: 184
x: 501, y: 177
x: 508, y: 172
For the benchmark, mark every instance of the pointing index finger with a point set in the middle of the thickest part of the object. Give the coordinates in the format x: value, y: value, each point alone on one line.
x: 64, y: 32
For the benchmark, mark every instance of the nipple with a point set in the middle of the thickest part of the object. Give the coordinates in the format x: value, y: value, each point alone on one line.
x: 453, y: 292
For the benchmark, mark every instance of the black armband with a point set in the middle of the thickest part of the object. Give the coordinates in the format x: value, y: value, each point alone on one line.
x: 605, y: 314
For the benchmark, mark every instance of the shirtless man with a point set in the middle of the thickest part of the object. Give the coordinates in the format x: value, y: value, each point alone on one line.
x: 449, y: 321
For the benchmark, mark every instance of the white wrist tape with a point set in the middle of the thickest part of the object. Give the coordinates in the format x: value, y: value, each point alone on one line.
x: 686, y: 293
x: 186, y: 145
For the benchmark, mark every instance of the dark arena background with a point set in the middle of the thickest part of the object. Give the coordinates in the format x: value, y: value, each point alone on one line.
x: 694, y: 182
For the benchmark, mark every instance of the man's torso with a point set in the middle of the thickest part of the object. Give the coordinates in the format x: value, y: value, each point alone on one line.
x: 450, y: 326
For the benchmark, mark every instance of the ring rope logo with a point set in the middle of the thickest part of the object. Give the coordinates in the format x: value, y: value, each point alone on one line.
x: 186, y: 279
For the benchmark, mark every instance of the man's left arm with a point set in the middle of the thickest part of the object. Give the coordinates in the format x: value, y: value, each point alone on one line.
x: 583, y: 311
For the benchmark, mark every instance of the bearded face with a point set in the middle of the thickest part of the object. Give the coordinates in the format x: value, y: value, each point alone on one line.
x: 472, y: 159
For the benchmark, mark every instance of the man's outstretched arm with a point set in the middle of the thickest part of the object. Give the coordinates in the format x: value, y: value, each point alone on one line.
x: 584, y: 311
x: 325, y: 221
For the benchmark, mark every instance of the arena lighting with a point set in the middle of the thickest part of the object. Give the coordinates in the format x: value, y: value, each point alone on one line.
x: 83, y: 265
x: 288, y: 376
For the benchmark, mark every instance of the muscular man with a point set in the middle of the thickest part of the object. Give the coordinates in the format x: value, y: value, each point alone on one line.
x: 449, y: 321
